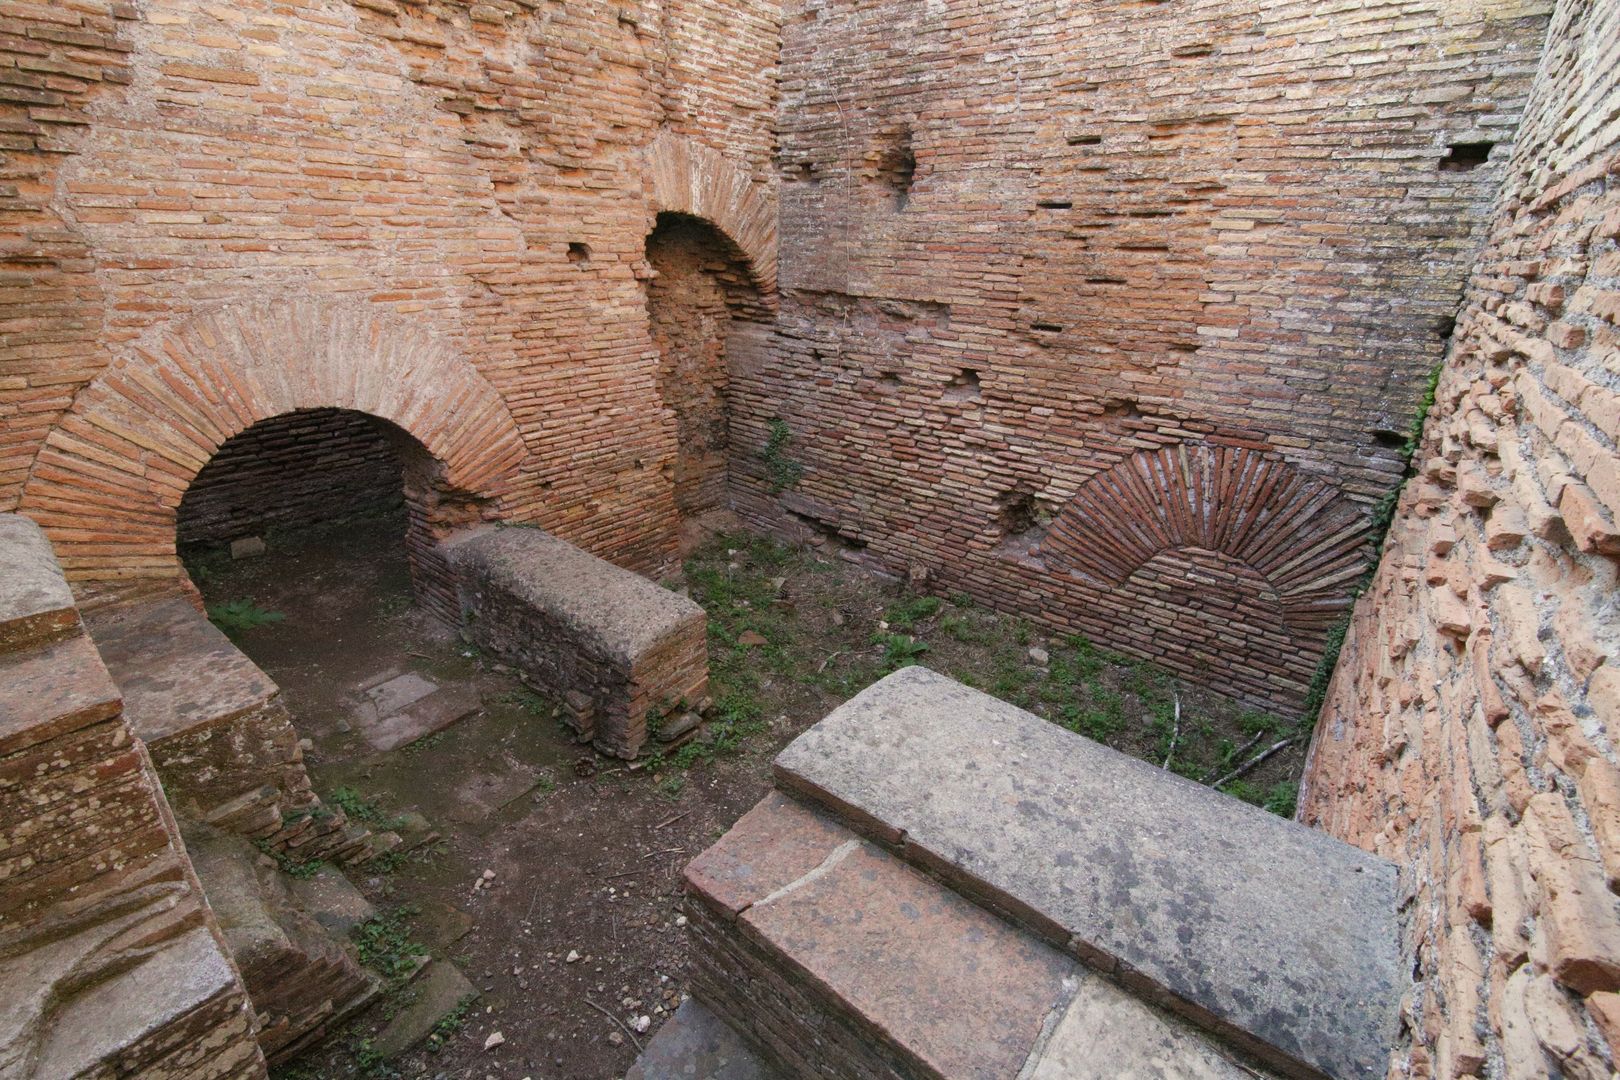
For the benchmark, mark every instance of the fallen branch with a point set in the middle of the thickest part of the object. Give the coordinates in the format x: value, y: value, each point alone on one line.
x: 830, y: 658
x: 1256, y: 760
x: 671, y: 820
x: 1175, y: 734
x: 666, y: 851
x: 633, y: 1040
x: 1234, y: 755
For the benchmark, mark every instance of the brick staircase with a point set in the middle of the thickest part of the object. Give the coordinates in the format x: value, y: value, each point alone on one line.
x: 944, y: 885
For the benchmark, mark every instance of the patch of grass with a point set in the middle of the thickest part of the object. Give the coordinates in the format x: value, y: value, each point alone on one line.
x: 781, y: 471
x: 239, y: 616
x: 383, y: 943
x: 525, y: 700
x: 905, y: 614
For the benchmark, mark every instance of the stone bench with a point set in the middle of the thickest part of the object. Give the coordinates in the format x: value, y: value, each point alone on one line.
x: 845, y: 961
x: 620, y: 651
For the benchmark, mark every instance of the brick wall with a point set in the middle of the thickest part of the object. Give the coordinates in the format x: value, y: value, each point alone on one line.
x: 1041, y: 243
x: 1469, y: 732
x: 478, y: 172
x: 301, y: 468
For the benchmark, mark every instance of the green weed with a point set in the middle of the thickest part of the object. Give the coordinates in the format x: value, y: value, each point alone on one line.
x: 238, y: 616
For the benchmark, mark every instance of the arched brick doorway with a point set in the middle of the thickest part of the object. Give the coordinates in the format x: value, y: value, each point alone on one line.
x: 322, y: 467
x: 108, y: 483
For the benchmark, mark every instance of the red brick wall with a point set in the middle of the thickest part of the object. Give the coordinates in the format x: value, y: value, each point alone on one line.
x: 1469, y: 732
x: 1027, y: 245
x: 434, y: 162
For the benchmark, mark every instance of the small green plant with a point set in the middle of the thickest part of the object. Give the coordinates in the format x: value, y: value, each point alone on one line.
x: 363, y: 810
x: 906, y: 614
x: 899, y: 650
x: 294, y: 868
x: 450, y: 1023
x: 781, y: 471
x: 1282, y: 797
x: 237, y: 616
x: 384, y: 944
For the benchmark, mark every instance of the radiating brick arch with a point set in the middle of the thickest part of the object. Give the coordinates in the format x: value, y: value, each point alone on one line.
x: 687, y: 177
x: 108, y: 481
x: 1297, y: 533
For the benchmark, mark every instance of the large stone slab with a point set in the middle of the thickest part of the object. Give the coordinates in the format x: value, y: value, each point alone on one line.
x: 695, y: 1044
x: 1279, y: 937
x: 36, y: 605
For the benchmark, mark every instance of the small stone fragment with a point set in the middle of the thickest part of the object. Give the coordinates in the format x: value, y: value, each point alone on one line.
x: 495, y: 1039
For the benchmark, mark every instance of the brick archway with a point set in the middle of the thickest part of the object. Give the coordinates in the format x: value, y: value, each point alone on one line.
x: 1298, y: 534
x: 108, y: 481
x: 687, y: 177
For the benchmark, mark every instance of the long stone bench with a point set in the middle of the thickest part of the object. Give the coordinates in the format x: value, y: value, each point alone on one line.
x: 619, y: 650
x: 946, y: 885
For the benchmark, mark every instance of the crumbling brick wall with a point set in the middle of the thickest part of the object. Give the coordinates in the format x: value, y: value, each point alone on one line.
x: 1469, y: 731
x: 1043, y: 244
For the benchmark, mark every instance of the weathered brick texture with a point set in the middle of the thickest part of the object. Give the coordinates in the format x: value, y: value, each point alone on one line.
x: 1038, y: 241
x: 1469, y: 730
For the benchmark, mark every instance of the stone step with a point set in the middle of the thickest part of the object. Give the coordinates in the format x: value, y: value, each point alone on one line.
x: 833, y: 957
x: 1279, y: 938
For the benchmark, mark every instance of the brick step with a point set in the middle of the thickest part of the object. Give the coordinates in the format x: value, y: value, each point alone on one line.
x: 833, y: 957
x: 218, y: 731
x: 1278, y: 938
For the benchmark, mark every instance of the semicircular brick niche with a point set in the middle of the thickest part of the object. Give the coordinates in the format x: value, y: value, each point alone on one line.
x: 107, y: 483
x: 1299, y: 536
x: 687, y: 177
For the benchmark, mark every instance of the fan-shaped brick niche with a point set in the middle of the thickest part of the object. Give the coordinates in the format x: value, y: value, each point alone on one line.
x: 108, y: 482
x: 687, y: 177
x: 1234, y: 538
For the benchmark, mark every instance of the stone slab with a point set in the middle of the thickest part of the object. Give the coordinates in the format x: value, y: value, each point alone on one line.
x: 422, y: 718
x: 435, y: 992
x: 623, y: 612
x: 176, y: 669
x: 1276, y: 935
x: 695, y: 1044
x: 36, y: 605
x: 331, y: 900
x: 393, y: 695
x: 121, y: 1011
x: 1106, y: 1034
x: 770, y: 847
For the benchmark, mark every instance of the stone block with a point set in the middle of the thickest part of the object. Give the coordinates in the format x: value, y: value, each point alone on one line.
x: 580, y: 628
x: 1275, y: 935
x: 696, y: 1043
x: 35, y: 603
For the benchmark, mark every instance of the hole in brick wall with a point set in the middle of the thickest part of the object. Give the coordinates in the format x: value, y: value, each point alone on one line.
x: 1386, y: 437
x: 888, y: 382
x: 1055, y: 204
x: 1446, y: 327
x: 964, y: 387
x: 822, y: 531
x: 1084, y: 140
x: 1048, y: 327
x: 579, y: 253
x: 1463, y: 157
x: 1105, y: 281
x: 1186, y: 52
x: 1021, y: 523
x: 897, y: 167
x: 1121, y: 409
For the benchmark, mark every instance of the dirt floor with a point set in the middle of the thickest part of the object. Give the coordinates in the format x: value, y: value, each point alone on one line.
x: 575, y: 934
